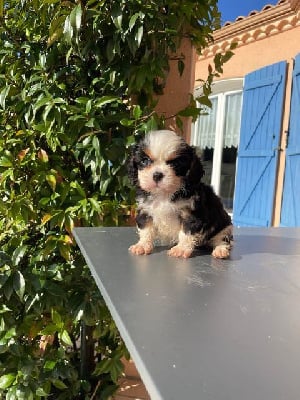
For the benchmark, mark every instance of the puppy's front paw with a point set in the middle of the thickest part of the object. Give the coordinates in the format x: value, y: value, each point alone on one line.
x: 221, y: 251
x: 139, y: 249
x: 180, y: 252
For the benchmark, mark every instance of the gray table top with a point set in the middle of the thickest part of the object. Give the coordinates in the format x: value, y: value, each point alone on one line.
x: 201, y: 328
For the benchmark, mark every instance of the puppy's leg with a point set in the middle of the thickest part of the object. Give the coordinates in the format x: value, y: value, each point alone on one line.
x: 145, y: 244
x: 146, y: 233
x: 184, y: 247
x: 222, y: 243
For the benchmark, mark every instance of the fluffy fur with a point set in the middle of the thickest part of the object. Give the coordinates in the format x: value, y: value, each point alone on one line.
x: 174, y: 206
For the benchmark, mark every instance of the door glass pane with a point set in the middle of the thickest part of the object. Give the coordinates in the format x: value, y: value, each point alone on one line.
x: 233, y: 108
x: 228, y: 176
x: 203, y: 137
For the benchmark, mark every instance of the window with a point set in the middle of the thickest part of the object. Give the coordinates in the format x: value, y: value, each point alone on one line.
x: 216, y: 136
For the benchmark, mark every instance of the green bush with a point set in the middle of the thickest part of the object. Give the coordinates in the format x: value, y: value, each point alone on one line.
x: 77, y: 85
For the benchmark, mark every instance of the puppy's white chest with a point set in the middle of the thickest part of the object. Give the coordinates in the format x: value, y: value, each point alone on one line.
x: 165, y: 220
x: 163, y: 212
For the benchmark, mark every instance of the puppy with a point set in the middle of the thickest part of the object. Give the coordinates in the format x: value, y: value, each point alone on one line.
x: 174, y: 206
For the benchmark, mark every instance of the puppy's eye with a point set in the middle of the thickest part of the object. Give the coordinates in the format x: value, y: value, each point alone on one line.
x: 177, y: 162
x: 145, y: 161
x: 180, y: 165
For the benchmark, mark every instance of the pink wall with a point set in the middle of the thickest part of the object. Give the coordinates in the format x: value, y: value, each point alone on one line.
x: 251, y: 56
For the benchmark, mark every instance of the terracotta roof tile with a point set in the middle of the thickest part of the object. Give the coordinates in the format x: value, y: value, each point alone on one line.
x: 255, y: 12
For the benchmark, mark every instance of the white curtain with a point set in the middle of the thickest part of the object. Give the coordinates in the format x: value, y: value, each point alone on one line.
x: 233, y: 109
x: 204, y: 129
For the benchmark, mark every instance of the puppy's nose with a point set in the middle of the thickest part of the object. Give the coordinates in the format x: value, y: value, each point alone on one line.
x: 157, y: 176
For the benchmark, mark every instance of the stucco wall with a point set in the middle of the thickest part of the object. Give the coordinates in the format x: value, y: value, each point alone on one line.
x: 251, y: 56
x: 177, y: 90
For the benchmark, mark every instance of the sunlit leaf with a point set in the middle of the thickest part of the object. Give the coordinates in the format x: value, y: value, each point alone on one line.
x: 51, y: 179
x: 95, y: 204
x: 43, y: 156
x: 117, y: 17
x: 18, y: 254
x: 106, y: 100
x: 75, y: 17
x: 56, y: 318
x: 5, y: 161
x: 137, y: 112
x: 19, y: 284
x: 65, y: 338
x: 68, y: 29
x: 4, y: 93
x: 41, y: 392
x: 132, y: 20
x: 59, y: 384
x: 6, y: 380
x: 139, y: 35
x: 50, y: 364
x: 46, y: 218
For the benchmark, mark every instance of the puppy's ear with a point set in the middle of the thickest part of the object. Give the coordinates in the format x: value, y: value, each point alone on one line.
x: 196, y: 171
x: 132, y: 166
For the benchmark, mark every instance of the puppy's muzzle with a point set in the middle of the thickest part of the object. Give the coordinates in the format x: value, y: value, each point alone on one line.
x: 158, y: 176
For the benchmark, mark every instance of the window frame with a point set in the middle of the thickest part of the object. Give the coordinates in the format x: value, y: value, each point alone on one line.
x: 220, y: 90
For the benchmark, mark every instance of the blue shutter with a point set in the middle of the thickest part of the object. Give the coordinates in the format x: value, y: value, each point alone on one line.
x: 258, y: 149
x: 290, y: 211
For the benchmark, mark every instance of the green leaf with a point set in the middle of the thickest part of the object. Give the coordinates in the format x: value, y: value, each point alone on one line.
x: 51, y: 179
x: 179, y: 122
x: 104, y: 185
x: 127, y: 122
x: 95, y: 204
x: 76, y: 185
x: 139, y: 35
x: 5, y: 162
x: 19, y: 284
x: 42, y: 102
x: 204, y: 100
x: 75, y: 17
x: 50, y: 365
x: 132, y: 20
x: 180, y: 66
x: 4, y: 309
x: 88, y: 106
x: 8, y: 288
x: 137, y: 112
x: 106, y: 100
x: 116, y: 369
x: 65, y: 338
x: 18, y: 254
x: 4, y: 259
x: 3, y: 95
x: 68, y: 30
x: 6, y: 380
x: 56, y: 29
x: 189, y: 112
x: 117, y: 17
x: 113, y: 366
x: 56, y: 318
x: 41, y: 392
x: 59, y: 384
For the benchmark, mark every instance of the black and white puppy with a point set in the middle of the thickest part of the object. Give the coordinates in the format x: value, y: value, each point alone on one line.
x: 174, y: 206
